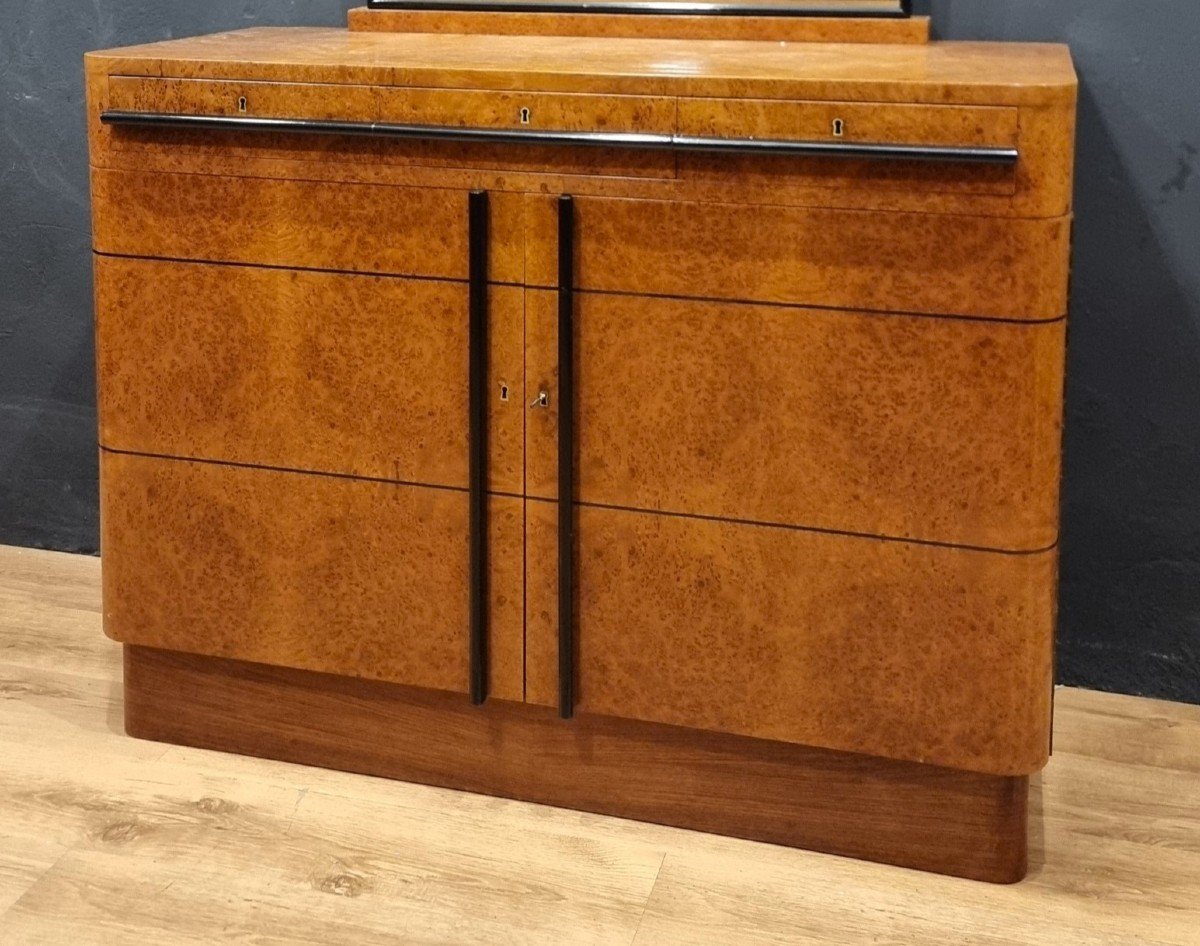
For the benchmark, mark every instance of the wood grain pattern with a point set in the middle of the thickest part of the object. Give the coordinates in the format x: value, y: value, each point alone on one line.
x: 328, y: 372
x: 913, y: 652
x: 372, y: 103
x: 111, y: 841
x: 1040, y: 185
x: 921, y: 263
x: 937, y: 73
x: 826, y: 801
x: 946, y: 430
x: 646, y: 26
x: 361, y: 578
x: 363, y: 103
x: 863, y: 122
x: 297, y: 223
x: 904, y: 651
x: 860, y: 122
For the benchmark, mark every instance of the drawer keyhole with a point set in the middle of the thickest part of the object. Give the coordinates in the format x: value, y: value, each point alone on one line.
x: 504, y: 392
x: 839, y: 128
x: 242, y: 104
x: 524, y: 116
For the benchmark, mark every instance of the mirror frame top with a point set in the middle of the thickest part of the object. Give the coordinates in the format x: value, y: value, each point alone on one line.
x: 870, y: 9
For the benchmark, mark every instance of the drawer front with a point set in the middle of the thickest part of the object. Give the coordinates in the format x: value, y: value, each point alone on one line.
x: 442, y: 108
x: 458, y: 108
x: 850, y: 122
x: 921, y: 263
x: 943, y: 430
x: 320, y: 573
x: 360, y: 375
x: 844, y: 123
x: 406, y: 231
x: 928, y: 654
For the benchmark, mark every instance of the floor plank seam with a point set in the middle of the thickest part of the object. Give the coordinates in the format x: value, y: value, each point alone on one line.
x: 649, y: 895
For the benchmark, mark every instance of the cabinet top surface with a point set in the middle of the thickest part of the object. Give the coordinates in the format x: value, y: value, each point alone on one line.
x: 986, y: 73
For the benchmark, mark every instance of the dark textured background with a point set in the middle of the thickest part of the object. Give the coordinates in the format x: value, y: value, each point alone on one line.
x: 1131, y: 536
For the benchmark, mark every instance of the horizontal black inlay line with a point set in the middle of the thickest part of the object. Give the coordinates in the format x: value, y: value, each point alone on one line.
x: 615, y: 508
x: 639, y: 140
x: 878, y: 537
x: 826, y: 309
x: 831, y: 309
x: 330, y: 474
x: 300, y: 269
x: 902, y: 12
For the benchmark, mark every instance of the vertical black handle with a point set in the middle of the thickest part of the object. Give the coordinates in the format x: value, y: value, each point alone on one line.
x: 566, y: 457
x: 477, y: 212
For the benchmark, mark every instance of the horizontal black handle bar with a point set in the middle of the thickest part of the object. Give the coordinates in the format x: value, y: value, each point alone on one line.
x: 902, y: 11
x: 606, y: 139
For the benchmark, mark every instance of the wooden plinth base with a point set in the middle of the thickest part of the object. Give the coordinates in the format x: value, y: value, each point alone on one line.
x: 901, y: 813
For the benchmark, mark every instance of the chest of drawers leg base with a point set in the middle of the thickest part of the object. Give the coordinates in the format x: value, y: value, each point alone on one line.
x: 901, y: 813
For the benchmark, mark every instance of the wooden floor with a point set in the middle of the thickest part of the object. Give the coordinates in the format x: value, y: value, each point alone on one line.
x: 108, y: 840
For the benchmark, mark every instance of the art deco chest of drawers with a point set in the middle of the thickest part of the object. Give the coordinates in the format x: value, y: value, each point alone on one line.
x: 665, y: 425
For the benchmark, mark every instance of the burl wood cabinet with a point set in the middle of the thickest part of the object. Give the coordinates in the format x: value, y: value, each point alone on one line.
x: 652, y: 415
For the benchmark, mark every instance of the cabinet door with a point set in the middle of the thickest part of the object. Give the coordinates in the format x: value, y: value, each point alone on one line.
x: 287, y: 465
x: 832, y: 527
x: 358, y: 577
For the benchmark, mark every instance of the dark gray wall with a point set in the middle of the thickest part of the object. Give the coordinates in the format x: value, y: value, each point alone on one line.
x: 1130, y: 606
x: 1131, y: 545
x: 48, y: 494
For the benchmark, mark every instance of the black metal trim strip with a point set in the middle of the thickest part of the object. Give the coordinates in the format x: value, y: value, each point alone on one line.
x: 902, y: 11
x: 566, y: 457
x: 642, y: 140
x: 477, y: 212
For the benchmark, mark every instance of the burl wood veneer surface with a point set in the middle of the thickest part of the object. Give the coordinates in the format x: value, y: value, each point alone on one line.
x: 983, y: 73
x: 657, y: 26
x: 946, y: 430
x: 535, y: 111
x: 297, y: 223
x: 453, y: 108
x: 922, y: 263
x: 331, y: 372
x: 346, y: 576
x: 898, y: 650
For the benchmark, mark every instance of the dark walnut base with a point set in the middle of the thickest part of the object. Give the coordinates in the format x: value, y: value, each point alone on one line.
x: 902, y: 813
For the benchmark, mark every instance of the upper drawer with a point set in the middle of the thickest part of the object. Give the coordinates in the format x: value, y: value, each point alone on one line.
x: 931, y: 264
x: 937, y: 126
x: 366, y: 228
x: 486, y: 110
x: 460, y: 108
x: 931, y: 131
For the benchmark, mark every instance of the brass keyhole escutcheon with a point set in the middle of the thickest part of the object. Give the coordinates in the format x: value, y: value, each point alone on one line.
x: 839, y: 128
x: 242, y: 104
x: 504, y: 392
x: 524, y: 115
